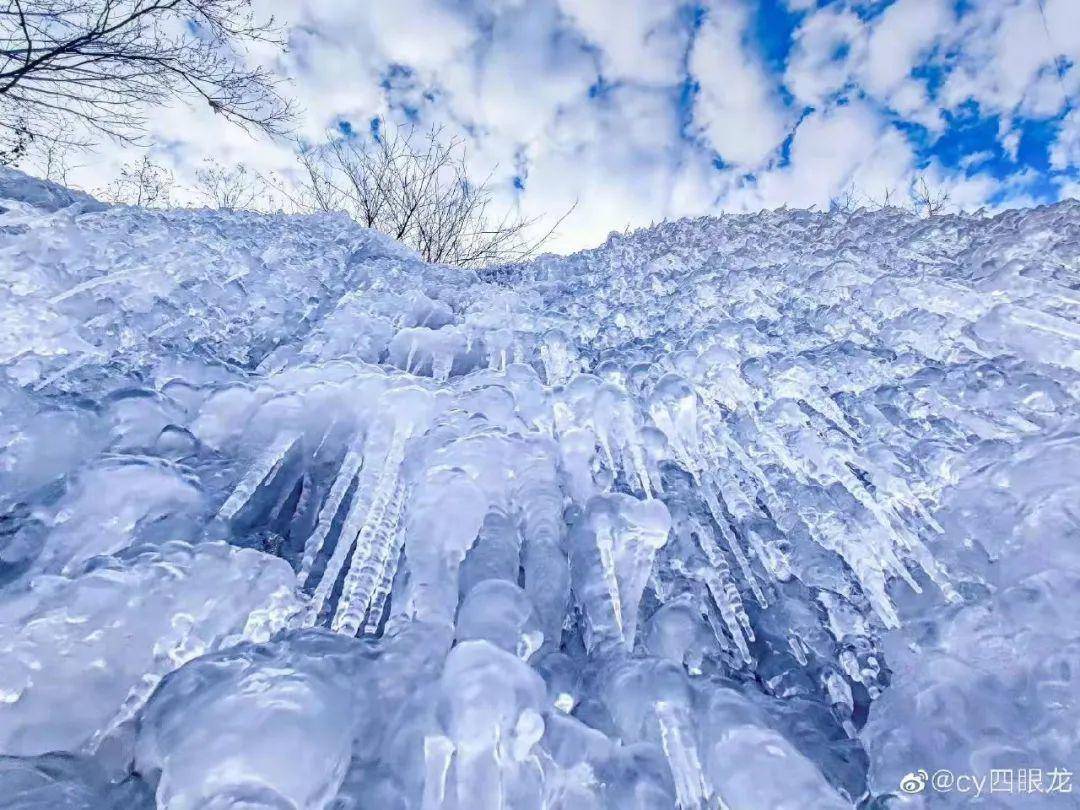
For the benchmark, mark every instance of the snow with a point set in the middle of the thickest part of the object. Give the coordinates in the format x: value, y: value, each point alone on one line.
x: 759, y: 511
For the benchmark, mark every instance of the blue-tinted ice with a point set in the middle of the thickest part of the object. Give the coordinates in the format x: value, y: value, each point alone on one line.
x: 757, y: 512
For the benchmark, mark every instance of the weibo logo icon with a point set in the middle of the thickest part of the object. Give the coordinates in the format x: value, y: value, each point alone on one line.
x: 914, y: 782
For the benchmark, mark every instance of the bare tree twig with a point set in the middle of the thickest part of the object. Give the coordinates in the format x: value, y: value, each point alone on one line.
x: 920, y: 199
x: 414, y: 186
x: 142, y: 182
x: 76, y: 70
x: 230, y: 188
x: 927, y: 201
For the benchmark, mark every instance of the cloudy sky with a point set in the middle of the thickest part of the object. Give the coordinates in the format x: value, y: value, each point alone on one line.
x: 645, y: 109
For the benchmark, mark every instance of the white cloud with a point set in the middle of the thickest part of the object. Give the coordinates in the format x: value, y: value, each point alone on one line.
x: 1009, y: 138
x: 737, y: 108
x: 1070, y: 189
x: 964, y: 191
x: 911, y: 101
x: 419, y: 33
x: 833, y: 150
x: 623, y: 161
x: 640, y: 40
x: 899, y: 38
x: 1065, y: 153
x: 519, y: 78
x: 827, y: 44
x: 975, y: 159
x: 1063, y: 26
x: 1002, y: 50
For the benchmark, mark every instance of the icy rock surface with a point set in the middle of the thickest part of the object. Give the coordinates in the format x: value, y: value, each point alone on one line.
x: 111, y: 633
x: 755, y: 512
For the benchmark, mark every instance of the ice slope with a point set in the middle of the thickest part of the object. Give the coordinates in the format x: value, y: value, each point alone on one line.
x: 755, y: 512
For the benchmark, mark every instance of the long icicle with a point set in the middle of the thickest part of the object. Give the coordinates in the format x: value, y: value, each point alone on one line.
x: 369, y: 541
x: 720, y: 519
x: 350, y: 466
x: 262, y: 470
x: 385, y: 585
x: 366, y: 574
x: 354, y: 522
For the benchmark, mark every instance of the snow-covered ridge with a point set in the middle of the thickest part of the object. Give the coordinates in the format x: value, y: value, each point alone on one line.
x: 753, y: 512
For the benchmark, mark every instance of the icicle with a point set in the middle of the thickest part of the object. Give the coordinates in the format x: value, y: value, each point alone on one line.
x: 818, y: 400
x: 677, y: 740
x: 136, y: 698
x: 288, y: 487
x: 75, y: 363
x: 633, y: 448
x: 798, y: 649
x: 100, y: 281
x: 605, y: 545
x: 384, y: 586
x: 540, y: 551
x: 720, y: 520
x: 438, y: 756
x: 772, y: 499
x: 673, y: 406
x: 828, y: 532
x: 441, y: 363
x: 376, y: 541
x: 729, y: 603
x: 350, y: 466
x: 413, y: 345
x: 374, y: 529
x: 556, y: 352
x: 895, y: 538
x: 723, y: 591
x: 648, y: 525
x: 637, y: 458
x: 349, y: 530
x: 165, y: 327
x: 261, y: 471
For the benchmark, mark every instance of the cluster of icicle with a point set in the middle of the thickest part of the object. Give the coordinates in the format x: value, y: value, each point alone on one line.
x: 621, y: 529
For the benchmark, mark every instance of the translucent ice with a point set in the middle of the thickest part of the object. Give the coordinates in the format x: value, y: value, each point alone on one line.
x: 764, y: 511
x: 256, y: 726
x: 116, y: 629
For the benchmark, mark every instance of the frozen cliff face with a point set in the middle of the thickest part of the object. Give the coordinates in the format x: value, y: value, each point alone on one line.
x: 766, y: 511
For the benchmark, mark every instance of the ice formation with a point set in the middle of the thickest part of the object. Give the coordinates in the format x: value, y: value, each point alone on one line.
x: 754, y: 512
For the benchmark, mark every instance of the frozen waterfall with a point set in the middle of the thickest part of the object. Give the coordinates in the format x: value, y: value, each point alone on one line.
x: 762, y: 512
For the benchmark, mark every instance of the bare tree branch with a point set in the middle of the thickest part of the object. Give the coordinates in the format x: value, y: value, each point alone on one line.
x: 79, y: 69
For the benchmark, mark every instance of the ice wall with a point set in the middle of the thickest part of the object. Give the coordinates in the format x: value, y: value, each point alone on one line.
x: 755, y: 512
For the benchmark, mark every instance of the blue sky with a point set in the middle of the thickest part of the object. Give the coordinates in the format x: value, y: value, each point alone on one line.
x: 645, y: 109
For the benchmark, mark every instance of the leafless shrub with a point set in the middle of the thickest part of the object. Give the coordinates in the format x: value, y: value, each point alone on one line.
x: 49, y: 158
x: 928, y: 202
x: 846, y: 201
x: 887, y: 198
x: 142, y: 182
x: 234, y: 188
x: 920, y: 199
x: 415, y: 187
